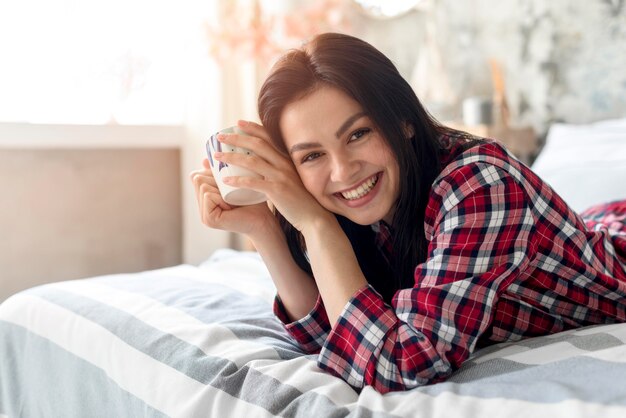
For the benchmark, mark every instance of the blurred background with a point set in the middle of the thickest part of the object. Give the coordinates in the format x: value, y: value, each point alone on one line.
x: 105, y: 106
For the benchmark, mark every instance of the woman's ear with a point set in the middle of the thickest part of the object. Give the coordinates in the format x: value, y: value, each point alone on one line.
x: 409, y: 130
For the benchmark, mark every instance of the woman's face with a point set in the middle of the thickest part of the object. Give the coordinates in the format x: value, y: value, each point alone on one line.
x: 341, y: 157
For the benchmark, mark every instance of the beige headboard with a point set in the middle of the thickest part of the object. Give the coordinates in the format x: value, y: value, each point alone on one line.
x: 74, y: 213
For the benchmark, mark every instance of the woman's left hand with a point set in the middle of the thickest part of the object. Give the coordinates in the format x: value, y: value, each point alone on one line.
x: 336, y: 278
x: 280, y: 181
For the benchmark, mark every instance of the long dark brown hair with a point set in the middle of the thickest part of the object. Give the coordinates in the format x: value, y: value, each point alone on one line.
x: 370, y: 78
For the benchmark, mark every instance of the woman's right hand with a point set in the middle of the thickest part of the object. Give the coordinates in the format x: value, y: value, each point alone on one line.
x: 252, y: 220
x: 297, y: 289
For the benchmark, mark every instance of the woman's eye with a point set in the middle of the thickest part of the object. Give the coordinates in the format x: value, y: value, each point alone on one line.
x: 358, y: 134
x: 311, y: 157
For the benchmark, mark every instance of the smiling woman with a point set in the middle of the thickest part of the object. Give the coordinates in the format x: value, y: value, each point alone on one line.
x: 399, y: 246
x: 350, y: 170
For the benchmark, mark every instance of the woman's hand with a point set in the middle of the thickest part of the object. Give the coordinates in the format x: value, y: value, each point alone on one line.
x: 296, y: 288
x: 336, y: 278
x: 280, y: 181
x: 250, y: 220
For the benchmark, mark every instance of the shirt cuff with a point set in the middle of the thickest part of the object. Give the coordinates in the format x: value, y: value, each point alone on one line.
x: 353, y: 347
x: 311, y: 331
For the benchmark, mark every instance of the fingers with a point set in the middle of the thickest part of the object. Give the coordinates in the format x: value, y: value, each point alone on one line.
x: 206, y: 169
x: 250, y: 162
x: 254, y: 129
x: 256, y: 139
x: 211, y: 205
x: 209, y: 200
x: 264, y: 157
x: 217, y: 202
x: 259, y: 146
x: 270, y: 188
x: 204, y: 203
x: 202, y: 176
x: 206, y: 208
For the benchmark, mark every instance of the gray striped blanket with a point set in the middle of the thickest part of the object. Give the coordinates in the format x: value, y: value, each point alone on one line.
x: 201, y: 341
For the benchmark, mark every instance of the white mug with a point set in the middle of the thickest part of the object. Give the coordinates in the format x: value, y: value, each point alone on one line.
x: 232, y: 195
x: 477, y: 111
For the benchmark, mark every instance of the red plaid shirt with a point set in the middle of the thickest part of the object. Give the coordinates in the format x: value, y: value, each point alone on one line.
x: 507, y: 259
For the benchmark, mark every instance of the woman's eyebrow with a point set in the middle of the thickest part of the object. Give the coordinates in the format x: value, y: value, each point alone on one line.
x: 348, y: 123
x: 304, y: 146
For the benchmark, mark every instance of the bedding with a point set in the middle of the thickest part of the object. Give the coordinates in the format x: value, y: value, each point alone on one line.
x: 201, y: 341
x: 585, y: 164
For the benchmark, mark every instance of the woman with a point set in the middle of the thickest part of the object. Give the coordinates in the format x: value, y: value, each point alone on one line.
x: 399, y: 246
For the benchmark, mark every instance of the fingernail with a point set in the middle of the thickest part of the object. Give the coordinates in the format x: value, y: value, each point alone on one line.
x: 242, y: 122
x: 217, y: 154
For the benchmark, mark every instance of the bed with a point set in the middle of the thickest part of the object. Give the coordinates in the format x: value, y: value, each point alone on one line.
x: 201, y: 341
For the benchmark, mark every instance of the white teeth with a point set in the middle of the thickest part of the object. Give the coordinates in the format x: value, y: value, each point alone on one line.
x: 362, y: 190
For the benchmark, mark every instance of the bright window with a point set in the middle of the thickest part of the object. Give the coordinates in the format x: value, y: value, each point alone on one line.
x: 97, y: 61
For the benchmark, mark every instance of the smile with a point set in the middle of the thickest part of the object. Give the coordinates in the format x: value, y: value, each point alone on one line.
x: 361, y: 190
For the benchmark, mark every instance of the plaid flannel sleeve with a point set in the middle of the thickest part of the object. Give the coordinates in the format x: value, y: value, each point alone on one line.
x: 309, y: 332
x: 480, y: 230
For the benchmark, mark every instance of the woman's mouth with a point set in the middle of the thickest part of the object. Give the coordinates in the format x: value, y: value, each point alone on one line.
x: 361, y: 190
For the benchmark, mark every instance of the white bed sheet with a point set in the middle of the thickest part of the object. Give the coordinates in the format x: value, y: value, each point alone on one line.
x: 202, y: 342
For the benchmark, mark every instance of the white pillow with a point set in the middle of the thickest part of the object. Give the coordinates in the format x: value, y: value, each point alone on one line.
x: 585, y: 164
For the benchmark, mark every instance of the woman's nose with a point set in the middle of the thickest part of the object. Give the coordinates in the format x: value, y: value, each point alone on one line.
x: 344, y: 168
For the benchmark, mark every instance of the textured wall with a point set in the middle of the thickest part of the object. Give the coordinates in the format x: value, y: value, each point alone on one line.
x: 563, y: 60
